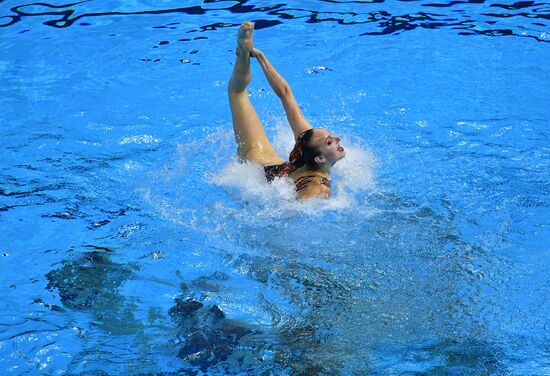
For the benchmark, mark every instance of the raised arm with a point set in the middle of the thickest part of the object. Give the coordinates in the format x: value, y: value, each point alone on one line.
x: 296, y: 119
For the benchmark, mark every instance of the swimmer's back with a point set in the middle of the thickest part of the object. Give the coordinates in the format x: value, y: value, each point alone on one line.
x: 311, y: 184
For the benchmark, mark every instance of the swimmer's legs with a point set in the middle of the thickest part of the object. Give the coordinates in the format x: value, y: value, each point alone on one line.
x: 252, y: 142
x: 241, y: 71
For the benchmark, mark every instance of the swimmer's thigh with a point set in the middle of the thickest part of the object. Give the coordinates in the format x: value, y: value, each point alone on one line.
x: 252, y: 142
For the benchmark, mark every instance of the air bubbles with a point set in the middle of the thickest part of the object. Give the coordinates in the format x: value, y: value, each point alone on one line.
x: 421, y: 123
x: 132, y: 165
x: 139, y: 139
x: 158, y: 255
x: 453, y: 133
x: 472, y: 124
x: 317, y: 69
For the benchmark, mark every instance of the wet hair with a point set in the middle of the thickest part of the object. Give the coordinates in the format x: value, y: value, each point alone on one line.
x: 309, y: 152
x: 303, y: 153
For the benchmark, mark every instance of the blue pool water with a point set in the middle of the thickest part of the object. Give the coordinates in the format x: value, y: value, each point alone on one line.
x: 133, y: 242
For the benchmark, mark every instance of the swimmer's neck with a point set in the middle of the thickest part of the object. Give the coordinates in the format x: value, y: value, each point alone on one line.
x: 318, y: 172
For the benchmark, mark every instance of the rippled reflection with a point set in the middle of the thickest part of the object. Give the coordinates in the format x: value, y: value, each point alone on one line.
x: 208, y: 339
x: 90, y: 283
x: 466, y: 18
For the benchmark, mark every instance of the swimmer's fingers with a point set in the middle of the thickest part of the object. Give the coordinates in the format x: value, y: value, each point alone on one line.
x: 252, y: 53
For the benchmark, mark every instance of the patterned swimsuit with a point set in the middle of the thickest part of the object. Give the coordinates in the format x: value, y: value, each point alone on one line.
x: 285, y: 169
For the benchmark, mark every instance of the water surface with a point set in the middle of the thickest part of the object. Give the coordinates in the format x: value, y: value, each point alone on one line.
x: 133, y: 242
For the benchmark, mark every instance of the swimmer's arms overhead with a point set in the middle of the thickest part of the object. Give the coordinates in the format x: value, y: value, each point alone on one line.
x: 296, y: 119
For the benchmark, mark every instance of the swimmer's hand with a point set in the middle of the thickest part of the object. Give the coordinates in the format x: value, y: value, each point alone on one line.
x: 254, y: 53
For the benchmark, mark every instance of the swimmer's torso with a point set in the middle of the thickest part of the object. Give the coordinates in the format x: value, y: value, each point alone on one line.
x: 307, y: 183
x: 311, y: 183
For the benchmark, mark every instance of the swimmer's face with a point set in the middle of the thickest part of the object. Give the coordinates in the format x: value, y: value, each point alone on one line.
x: 328, y: 145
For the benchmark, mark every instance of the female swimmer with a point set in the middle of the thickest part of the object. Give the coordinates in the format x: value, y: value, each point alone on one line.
x: 315, y: 151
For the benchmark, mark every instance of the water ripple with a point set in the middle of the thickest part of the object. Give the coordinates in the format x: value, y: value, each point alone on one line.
x: 468, y: 17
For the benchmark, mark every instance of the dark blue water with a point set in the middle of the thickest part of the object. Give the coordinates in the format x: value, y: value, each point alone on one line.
x: 133, y: 242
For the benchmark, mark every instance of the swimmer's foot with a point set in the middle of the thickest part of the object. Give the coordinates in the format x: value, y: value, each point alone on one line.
x: 245, y: 42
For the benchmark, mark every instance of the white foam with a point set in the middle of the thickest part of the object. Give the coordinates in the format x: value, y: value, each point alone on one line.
x: 251, y: 198
x: 139, y: 139
x: 246, y: 182
x: 356, y: 171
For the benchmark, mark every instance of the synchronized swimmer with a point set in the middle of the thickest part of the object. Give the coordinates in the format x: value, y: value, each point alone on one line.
x: 315, y: 151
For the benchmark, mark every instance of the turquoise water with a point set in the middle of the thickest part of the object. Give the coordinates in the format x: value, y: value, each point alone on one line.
x: 133, y: 242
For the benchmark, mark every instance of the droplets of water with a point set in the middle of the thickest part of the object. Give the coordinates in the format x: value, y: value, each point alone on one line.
x: 355, y: 172
x: 248, y: 181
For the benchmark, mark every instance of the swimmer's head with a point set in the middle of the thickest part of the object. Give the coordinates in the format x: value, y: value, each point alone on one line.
x: 318, y: 149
